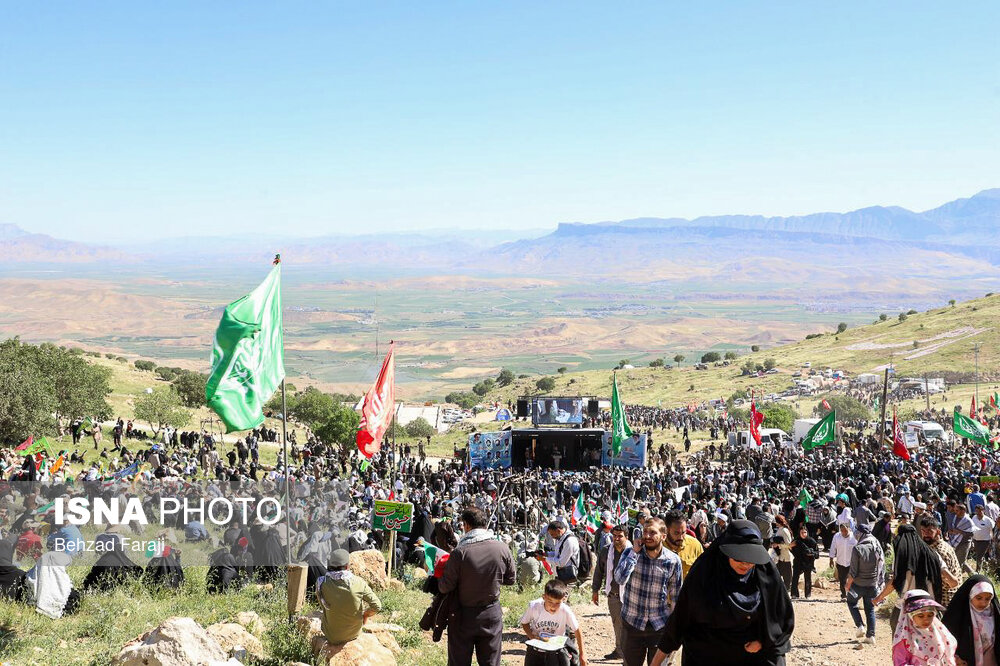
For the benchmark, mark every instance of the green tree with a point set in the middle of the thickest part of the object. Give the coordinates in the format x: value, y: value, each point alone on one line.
x: 755, y: 348
x: 770, y: 364
x: 902, y: 317
x: 847, y: 408
x: 166, y: 374
x: 161, y: 407
x: 311, y: 406
x: 562, y: 370
x: 883, y: 317
x: 779, y: 415
x: 190, y: 386
x: 79, y: 388
x: 419, y: 427
x: 462, y: 399
x: 545, y: 384
x: 731, y: 356
x: 657, y: 363
x: 339, y: 426
x: 951, y: 302
x: 678, y: 358
x: 484, y: 387
x: 505, y: 378
x: 711, y: 357
x: 841, y: 327
x: 621, y: 364
x: 26, y: 399
x: 147, y: 366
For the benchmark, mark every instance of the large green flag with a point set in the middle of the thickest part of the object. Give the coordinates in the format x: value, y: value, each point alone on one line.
x: 248, y: 356
x: 822, y: 433
x: 619, y: 424
x: 974, y: 430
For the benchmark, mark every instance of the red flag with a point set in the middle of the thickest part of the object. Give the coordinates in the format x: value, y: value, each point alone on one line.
x: 756, y: 418
x: 898, y: 443
x: 392, y: 496
x: 973, y: 414
x: 26, y: 443
x: 378, y: 408
x: 827, y: 406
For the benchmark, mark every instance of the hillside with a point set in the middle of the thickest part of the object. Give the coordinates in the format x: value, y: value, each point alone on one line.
x: 937, y: 341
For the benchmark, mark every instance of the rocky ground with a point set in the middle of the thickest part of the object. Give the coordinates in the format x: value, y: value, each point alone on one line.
x: 824, y: 634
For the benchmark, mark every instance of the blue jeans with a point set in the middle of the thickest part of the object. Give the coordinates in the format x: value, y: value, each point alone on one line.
x: 866, y: 594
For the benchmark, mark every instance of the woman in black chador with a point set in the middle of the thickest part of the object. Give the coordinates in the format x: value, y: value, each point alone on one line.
x: 733, y: 608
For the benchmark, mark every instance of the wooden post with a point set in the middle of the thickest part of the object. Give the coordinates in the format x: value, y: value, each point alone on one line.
x: 297, y: 577
x: 392, y: 552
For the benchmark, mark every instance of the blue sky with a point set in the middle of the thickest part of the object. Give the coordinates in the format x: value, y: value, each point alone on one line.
x: 120, y: 121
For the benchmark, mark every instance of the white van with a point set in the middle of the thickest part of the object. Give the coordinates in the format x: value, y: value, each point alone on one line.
x: 768, y: 437
x: 931, y: 430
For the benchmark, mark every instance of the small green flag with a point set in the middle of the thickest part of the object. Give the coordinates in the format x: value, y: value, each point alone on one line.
x: 974, y: 430
x: 248, y: 356
x: 804, y: 498
x: 822, y: 433
x: 40, y: 445
x: 619, y: 424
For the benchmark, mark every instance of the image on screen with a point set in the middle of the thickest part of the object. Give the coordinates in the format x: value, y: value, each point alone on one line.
x: 557, y: 411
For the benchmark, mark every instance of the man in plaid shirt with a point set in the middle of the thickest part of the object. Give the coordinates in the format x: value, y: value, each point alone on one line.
x: 650, y: 579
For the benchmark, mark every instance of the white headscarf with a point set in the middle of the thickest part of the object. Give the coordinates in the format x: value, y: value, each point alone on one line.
x: 982, y: 621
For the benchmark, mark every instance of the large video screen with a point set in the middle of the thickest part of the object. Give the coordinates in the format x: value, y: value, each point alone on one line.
x: 557, y: 411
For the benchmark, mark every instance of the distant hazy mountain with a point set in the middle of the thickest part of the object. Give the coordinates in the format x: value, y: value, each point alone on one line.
x: 960, y: 238
x: 20, y: 246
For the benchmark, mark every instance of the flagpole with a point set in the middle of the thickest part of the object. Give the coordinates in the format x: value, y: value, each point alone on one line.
x: 284, y: 443
x: 881, y: 422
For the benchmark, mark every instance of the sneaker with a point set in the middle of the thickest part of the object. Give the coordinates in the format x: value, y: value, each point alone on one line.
x: 870, y: 640
x: 612, y: 655
x: 860, y: 633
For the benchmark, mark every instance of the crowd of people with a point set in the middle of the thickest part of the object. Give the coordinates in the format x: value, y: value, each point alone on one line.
x: 699, y: 553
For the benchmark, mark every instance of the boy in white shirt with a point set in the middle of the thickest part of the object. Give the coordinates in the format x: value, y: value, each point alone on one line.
x: 548, y: 618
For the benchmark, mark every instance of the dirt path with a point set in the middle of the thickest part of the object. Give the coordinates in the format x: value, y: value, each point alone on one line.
x: 824, y: 634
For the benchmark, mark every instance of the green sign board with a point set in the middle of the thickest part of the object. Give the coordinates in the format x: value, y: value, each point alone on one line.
x: 392, y: 516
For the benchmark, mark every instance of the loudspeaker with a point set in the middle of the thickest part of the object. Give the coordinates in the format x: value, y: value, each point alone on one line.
x: 522, y: 409
x: 593, y: 408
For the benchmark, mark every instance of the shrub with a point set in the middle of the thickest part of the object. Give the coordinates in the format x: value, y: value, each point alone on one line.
x: 711, y: 357
x: 545, y: 384
x: 841, y: 327
x: 147, y: 366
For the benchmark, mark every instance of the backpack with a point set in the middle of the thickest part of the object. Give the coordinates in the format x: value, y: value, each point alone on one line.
x: 586, y: 561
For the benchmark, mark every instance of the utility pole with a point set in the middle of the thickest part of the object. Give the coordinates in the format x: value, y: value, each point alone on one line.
x: 927, y: 393
x: 881, y: 422
x: 975, y: 348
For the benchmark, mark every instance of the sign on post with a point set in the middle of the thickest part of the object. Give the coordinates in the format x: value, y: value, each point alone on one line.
x: 392, y: 516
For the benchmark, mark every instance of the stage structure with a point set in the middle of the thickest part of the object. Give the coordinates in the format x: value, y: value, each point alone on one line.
x: 565, y: 434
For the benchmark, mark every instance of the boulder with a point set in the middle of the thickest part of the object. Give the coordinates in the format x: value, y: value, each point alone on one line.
x: 232, y: 636
x: 365, y: 650
x: 179, y: 641
x: 397, y: 585
x: 370, y: 565
x: 419, y: 574
x: 310, y: 625
x: 251, y: 622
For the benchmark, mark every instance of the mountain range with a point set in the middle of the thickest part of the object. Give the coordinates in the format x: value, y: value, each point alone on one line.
x: 880, y: 247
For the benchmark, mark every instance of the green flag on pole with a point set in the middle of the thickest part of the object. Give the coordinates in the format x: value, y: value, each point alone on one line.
x: 619, y: 425
x: 822, y: 433
x: 248, y: 357
x: 974, y: 430
x: 39, y: 446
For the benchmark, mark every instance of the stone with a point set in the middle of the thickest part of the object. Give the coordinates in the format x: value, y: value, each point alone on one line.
x: 365, y: 650
x: 370, y: 565
x: 419, y: 574
x: 397, y: 585
x: 232, y: 636
x: 251, y: 622
x: 310, y: 625
x: 179, y: 641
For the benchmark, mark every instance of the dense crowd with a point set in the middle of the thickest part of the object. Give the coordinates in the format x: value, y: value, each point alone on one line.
x: 852, y: 502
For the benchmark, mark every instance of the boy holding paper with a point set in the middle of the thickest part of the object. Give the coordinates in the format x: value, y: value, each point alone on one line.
x: 546, y: 622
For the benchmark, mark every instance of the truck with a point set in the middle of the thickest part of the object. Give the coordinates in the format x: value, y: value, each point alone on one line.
x: 801, y: 428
